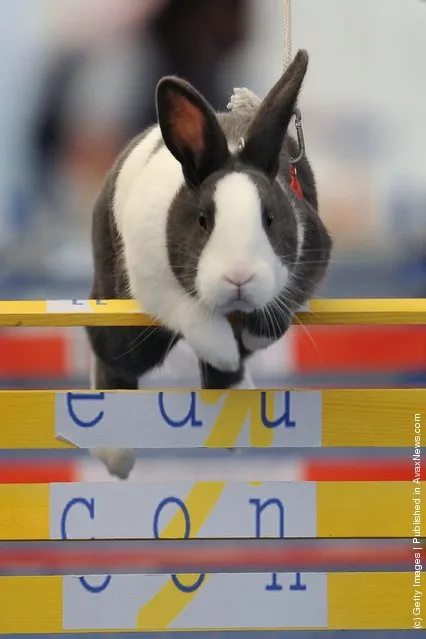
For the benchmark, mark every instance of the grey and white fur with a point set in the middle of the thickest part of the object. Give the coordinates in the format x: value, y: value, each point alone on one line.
x: 197, y: 227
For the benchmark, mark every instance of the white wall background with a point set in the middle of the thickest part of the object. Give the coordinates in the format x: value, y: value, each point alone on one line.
x: 367, y: 61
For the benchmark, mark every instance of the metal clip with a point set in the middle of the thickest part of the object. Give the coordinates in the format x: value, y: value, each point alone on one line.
x: 300, y: 137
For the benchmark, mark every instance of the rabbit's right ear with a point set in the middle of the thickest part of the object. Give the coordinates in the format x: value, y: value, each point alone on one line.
x: 269, y: 127
x: 190, y: 129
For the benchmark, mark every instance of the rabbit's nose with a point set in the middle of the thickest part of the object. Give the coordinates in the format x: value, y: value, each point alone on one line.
x: 239, y: 276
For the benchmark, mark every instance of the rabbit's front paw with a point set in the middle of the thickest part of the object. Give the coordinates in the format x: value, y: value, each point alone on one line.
x: 254, y: 342
x: 214, y: 342
x: 119, y: 461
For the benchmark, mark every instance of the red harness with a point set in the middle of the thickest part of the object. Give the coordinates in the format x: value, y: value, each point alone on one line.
x: 294, y: 182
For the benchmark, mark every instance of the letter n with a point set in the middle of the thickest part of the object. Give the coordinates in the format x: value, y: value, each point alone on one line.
x: 260, y: 508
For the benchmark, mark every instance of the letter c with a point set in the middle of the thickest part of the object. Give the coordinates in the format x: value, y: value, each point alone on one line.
x: 90, y: 505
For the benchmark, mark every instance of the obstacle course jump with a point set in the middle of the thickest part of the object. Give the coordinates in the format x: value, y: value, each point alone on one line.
x: 211, y: 555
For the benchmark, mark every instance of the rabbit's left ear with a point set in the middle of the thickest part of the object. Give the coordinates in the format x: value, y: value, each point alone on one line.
x: 190, y: 129
x: 266, y: 134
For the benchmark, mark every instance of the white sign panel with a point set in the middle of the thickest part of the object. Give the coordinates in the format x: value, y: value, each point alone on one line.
x: 181, y: 510
x: 176, y: 419
x: 197, y: 602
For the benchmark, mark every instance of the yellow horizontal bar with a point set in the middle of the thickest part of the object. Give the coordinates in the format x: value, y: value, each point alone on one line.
x: 30, y: 605
x: 73, y: 313
x: 344, y: 509
x: 356, y: 601
x: 375, y: 417
x: 28, y: 420
x: 377, y: 601
x: 24, y: 512
x: 129, y: 313
x: 350, y: 418
x: 361, y: 509
x: 365, y: 311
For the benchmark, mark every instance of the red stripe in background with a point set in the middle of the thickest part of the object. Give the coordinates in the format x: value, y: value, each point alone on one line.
x: 28, y: 472
x: 363, y: 348
x: 216, y: 557
x: 48, y: 471
x: 361, y: 470
x: 33, y: 355
x: 321, y: 349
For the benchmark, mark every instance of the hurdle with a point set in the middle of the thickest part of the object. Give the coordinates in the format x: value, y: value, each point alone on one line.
x: 213, y: 555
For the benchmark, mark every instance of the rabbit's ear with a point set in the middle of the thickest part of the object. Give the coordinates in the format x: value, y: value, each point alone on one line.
x: 267, y: 131
x: 190, y: 129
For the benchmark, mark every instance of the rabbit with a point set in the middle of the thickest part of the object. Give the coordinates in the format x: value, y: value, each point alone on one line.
x: 198, y: 223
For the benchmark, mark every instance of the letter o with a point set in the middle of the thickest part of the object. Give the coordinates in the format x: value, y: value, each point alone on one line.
x: 175, y: 500
x: 188, y: 589
x: 179, y: 503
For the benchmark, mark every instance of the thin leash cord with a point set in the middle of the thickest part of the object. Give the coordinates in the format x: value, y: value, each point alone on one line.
x: 287, y: 33
x: 287, y: 61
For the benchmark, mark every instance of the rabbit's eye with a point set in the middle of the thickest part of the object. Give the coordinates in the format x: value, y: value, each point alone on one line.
x: 268, y: 218
x: 202, y: 219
